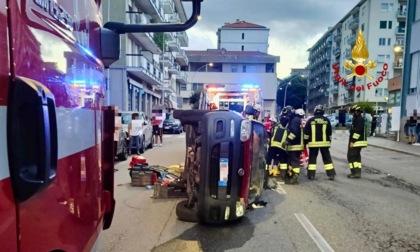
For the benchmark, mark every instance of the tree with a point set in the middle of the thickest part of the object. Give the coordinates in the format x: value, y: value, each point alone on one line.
x: 160, y: 39
x: 296, y: 92
x: 195, y: 99
x: 367, y: 107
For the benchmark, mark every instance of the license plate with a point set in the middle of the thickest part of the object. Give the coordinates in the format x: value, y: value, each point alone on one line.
x: 224, y: 171
x: 166, y: 127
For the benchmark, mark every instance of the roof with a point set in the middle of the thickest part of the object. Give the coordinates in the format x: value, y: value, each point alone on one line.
x: 221, y: 55
x: 241, y: 25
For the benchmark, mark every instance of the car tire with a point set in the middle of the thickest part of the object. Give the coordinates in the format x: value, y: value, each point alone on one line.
x: 184, y: 213
x: 150, y: 146
x: 143, y: 146
x: 124, y: 153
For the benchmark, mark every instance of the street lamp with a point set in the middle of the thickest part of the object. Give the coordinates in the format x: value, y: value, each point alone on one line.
x: 287, y: 85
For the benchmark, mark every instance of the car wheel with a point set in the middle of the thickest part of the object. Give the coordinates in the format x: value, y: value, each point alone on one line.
x: 184, y: 213
x: 124, y: 153
x: 143, y: 146
x: 150, y: 146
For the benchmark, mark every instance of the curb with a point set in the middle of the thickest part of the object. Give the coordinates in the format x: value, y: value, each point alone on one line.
x: 394, y: 150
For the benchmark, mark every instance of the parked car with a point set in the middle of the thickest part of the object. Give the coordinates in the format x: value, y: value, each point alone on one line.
x: 172, y: 125
x: 146, y: 132
x: 121, y: 145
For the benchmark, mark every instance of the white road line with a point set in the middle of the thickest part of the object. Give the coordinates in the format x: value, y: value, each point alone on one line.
x: 280, y: 189
x: 313, y: 233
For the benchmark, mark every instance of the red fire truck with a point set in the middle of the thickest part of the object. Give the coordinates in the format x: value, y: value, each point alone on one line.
x: 56, y: 135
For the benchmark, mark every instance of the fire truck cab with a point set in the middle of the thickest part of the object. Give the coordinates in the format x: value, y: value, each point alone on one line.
x: 56, y: 132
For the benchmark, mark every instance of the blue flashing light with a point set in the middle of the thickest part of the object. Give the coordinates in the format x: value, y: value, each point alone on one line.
x: 248, y: 86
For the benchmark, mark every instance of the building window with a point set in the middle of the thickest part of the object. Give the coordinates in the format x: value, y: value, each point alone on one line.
x: 381, y: 58
x: 389, y: 41
x: 382, y: 24
x: 242, y: 47
x: 234, y: 68
x: 382, y: 41
x: 183, y: 87
x: 197, y: 86
x: 397, y: 98
x: 385, y: 6
x: 389, y: 24
x: 243, y: 35
x: 244, y: 68
x: 362, y: 27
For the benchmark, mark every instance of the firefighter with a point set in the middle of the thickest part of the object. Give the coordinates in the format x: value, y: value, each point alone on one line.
x: 357, y: 141
x: 294, y: 145
x: 317, y: 134
x: 276, y: 150
x: 249, y: 111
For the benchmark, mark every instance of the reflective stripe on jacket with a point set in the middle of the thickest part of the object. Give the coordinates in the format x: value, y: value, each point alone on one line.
x: 358, y: 134
x: 295, y: 135
x: 318, y: 131
x: 279, y: 136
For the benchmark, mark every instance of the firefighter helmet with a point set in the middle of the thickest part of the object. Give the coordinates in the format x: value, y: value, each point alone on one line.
x: 273, y: 119
x: 287, y: 111
x: 300, y: 112
x: 319, y: 109
x: 355, y: 108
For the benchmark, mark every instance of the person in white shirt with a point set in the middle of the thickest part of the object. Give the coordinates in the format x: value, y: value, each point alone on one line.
x: 134, y: 134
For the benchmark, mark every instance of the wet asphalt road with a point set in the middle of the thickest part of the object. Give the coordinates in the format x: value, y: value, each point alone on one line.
x: 379, y: 212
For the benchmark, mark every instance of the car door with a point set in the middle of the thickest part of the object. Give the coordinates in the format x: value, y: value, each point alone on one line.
x: 8, y: 223
x: 55, y: 124
x: 148, y: 130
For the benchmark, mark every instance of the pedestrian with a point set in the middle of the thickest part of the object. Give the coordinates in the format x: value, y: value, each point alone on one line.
x: 412, y: 130
x: 161, y: 133
x: 134, y: 133
x: 317, y: 134
x: 249, y: 111
x: 357, y: 141
x: 276, y: 150
x: 294, y: 144
x: 155, y: 128
x: 373, y: 125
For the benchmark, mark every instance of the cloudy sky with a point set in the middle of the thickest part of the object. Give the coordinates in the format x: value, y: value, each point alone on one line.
x: 295, y: 25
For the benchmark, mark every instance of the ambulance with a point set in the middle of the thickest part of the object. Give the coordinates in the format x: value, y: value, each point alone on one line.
x: 56, y: 134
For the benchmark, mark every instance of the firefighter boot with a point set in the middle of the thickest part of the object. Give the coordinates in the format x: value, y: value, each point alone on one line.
x: 331, y: 174
x: 355, y: 173
x: 293, y: 180
x: 311, y: 174
x: 274, y: 172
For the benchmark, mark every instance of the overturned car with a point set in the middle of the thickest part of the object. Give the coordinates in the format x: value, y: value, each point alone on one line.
x: 224, y: 165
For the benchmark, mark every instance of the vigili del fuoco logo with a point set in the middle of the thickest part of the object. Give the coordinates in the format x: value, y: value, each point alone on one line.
x: 357, y: 66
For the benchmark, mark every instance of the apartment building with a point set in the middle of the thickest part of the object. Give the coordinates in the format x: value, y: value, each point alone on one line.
x: 148, y: 71
x: 383, y: 30
x: 232, y: 67
x: 243, y: 36
x: 410, y: 93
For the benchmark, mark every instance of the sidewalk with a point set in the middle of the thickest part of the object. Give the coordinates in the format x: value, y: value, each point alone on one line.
x: 386, y: 144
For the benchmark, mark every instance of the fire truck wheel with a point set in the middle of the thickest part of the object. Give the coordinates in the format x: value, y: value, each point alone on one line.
x: 184, y: 213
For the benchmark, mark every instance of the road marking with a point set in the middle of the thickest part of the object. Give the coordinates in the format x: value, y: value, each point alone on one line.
x: 280, y: 189
x: 313, y: 233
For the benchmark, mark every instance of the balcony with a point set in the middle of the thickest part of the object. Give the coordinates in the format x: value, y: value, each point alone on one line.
x: 337, y: 51
x: 354, y: 24
x: 174, y: 45
x: 153, y: 8
x: 352, y: 39
x: 337, y: 37
x: 175, y: 69
x: 181, y: 78
x: 168, y: 59
x: 174, y: 18
x: 401, y: 15
x: 183, y: 38
x: 398, y: 65
x: 400, y: 31
x: 168, y: 6
x: 182, y: 58
x: 145, y: 38
x: 334, y: 90
x: 348, y: 100
x: 142, y: 68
